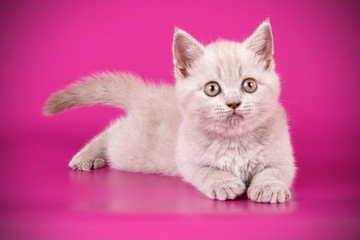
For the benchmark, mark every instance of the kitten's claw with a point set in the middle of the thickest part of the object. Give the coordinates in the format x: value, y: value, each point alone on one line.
x: 258, y: 198
x: 77, y: 168
x: 269, y: 192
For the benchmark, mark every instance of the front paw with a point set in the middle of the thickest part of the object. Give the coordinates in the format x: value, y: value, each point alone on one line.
x: 272, y: 192
x: 225, y: 189
x: 83, y: 162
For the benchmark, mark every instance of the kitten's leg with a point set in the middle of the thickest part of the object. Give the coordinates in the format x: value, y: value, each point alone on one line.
x: 271, y: 185
x: 92, y: 156
x: 215, y: 183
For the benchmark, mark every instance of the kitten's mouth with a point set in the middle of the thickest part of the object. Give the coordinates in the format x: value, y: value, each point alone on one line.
x: 234, y: 119
x: 236, y: 115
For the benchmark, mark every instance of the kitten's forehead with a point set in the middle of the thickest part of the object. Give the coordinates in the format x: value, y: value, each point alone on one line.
x: 226, y: 60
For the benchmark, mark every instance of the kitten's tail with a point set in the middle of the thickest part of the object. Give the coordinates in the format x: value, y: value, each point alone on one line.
x: 116, y: 89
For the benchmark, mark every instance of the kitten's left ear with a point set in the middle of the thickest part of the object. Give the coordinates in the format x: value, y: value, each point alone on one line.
x: 261, y: 42
x: 186, y: 51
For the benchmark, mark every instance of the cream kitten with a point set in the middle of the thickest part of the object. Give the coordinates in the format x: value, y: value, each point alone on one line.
x: 221, y: 128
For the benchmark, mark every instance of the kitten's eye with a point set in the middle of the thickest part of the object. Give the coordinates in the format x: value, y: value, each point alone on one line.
x: 212, y: 89
x: 249, y: 85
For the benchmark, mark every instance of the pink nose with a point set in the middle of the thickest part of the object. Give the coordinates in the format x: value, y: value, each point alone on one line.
x: 233, y: 105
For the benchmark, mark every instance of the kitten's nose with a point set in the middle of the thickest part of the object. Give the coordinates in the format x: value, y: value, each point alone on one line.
x: 233, y: 105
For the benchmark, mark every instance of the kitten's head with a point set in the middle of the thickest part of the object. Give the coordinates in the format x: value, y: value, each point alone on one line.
x: 226, y: 87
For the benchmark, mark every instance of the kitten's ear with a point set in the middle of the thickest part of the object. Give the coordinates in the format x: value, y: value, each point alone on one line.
x: 261, y: 42
x: 186, y: 50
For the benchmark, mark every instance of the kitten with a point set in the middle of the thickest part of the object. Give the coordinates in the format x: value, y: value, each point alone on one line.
x: 221, y: 128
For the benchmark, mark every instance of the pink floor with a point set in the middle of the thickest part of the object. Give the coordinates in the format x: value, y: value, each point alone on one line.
x: 46, y: 45
x: 41, y: 198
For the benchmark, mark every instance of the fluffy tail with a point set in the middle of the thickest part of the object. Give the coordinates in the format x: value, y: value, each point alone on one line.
x: 116, y: 89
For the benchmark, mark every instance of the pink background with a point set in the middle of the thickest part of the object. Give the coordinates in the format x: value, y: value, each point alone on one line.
x: 45, y: 45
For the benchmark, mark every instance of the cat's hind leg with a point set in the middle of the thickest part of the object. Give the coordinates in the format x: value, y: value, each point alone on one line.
x: 92, y: 155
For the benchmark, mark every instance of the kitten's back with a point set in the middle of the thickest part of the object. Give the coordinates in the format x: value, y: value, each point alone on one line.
x: 145, y: 140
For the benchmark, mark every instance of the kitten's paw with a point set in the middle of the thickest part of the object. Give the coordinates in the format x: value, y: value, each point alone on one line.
x: 272, y: 192
x: 81, y: 163
x: 226, y: 189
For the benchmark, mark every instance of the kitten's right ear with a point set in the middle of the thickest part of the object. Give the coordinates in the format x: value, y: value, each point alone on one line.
x: 186, y: 50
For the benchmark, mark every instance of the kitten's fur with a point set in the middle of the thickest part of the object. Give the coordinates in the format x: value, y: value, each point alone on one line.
x: 183, y: 132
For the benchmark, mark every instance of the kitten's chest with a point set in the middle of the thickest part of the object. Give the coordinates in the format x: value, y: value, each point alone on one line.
x: 243, y: 159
